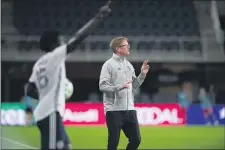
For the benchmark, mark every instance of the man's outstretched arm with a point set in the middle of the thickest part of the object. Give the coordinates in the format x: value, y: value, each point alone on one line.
x: 88, y: 28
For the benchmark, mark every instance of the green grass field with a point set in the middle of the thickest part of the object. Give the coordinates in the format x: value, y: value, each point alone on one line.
x: 96, y: 137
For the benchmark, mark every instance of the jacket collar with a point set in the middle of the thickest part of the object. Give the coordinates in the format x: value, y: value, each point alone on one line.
x: 120, y: 58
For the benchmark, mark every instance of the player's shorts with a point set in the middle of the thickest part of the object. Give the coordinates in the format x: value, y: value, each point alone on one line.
x: 207, y: 111
x: 53, y: 133
x: 183, y: 109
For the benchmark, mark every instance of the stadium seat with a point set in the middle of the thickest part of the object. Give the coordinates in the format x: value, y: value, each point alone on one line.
x: 164, y: 17
x: 150, y: 18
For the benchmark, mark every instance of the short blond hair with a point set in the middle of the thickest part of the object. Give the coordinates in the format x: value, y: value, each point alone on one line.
x: 116, y: 42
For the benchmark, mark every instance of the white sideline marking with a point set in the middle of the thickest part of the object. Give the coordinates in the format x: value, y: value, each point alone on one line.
x: 18, y: 143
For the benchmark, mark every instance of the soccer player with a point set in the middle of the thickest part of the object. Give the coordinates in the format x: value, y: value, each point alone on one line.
x: 184, y: 98
x: 29, y: 111
x: 29, y: 106
x: 206, y: 104
x: 48, y: 78
x: 117, y: 82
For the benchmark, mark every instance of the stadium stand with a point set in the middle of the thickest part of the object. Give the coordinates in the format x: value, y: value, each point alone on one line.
x: 157, y: 18
x: 131, y: 18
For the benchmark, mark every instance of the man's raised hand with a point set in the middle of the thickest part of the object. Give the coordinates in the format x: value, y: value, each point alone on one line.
x: 145, y: 67
x: 105, y: 10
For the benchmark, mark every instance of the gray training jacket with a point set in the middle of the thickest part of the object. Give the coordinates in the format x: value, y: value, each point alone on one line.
x: 115, y: 72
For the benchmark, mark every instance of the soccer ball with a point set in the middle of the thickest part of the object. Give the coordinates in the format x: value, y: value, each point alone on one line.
x: 68, y: 89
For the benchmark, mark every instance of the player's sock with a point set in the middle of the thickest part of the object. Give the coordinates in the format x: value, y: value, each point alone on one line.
x: 214, y: 119
x: 207, y: 119
x: 210, y: 119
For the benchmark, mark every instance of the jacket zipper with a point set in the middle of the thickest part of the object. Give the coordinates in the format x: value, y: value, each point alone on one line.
x: 126, y: 80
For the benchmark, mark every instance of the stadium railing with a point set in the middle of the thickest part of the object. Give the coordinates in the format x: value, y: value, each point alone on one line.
x: 155, y: 49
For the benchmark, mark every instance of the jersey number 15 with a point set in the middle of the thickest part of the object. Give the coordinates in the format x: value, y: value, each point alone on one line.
x: 42, y: 78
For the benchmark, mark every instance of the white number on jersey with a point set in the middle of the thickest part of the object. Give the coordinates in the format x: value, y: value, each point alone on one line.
x: 42, y: 78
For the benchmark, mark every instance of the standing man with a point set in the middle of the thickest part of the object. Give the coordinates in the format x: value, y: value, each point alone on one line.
x: 117, y: 82
x: 207, y: 107
x: 185, y: 96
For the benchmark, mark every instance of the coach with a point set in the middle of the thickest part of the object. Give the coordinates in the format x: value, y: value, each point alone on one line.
x: 117, y: 82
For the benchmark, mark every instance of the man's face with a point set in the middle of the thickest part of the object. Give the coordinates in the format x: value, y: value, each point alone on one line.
x: 124, y: 48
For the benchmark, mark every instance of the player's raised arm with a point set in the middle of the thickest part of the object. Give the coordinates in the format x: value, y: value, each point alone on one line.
x: 88, y: 27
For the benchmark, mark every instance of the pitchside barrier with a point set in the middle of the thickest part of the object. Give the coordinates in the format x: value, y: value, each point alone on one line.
x: 77, y: 114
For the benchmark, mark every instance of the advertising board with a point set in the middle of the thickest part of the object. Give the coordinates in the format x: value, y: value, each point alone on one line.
x: 148, y: 114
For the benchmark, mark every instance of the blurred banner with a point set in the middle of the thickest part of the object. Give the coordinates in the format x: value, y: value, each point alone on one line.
x: 84, y: 114
x: 195, y: 115
x: 13, y: 114
x: 160, y: 114
x: 148, y: 114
